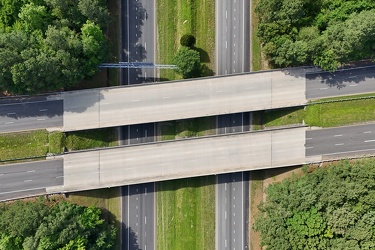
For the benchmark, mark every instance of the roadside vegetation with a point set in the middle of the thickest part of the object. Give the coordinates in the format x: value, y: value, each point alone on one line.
x: 330, y: 112
x: 178, y: 18
x: 50, y: 45
x: 329, y: 207
x: 326, y: 33
x: 256, y: 48
x: 195, y: 127
x: 39, y: 143
x: 108, y: 200
x: 50, y: 224
x: 186, y: 214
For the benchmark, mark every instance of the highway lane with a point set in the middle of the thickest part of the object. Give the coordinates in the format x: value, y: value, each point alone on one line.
x: 341, y: 82
x: 31, y: 178
x: 341, y: 141
x: 30, y: 114
x: 138, y: 39
x: 232, y: 36
x: 232, y: 210
x: 233, y: 123
x: 138, y: 205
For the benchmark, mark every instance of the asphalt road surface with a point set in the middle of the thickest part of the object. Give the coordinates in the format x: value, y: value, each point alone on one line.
x: 342, y: 82
x: 233, y: 123
x: 232, y: 210
x: 232, y: 36
x: 136, y: 134
x: 30, y: 114
x: 138, y: 216
x: 341, y: 141
x: 138, y: 39
x: 31, y: 178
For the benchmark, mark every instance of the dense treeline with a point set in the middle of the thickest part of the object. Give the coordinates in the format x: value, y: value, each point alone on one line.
x: 326, y: 33
x: 50, y: 44
x: 40, y: 225
x: 329, y: 208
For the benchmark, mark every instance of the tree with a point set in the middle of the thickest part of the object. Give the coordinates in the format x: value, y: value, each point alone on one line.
x: 187, y: 40
x: 188, y: 62
x: 39, y: 225
x: 329, y: 208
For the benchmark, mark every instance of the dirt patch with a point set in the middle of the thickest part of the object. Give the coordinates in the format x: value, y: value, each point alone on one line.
x: 259, y: 181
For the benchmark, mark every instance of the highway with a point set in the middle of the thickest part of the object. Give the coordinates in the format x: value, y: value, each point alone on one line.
x: 21, y: 114
x: 138, y: 36
x: 233, y: 123
x: 138, y: 216
x: 232, y: 210
x: 31, y: 178
x: 342, y: 82
x: 341, y: 142
x: 138, y: 39
x: 232, y: 36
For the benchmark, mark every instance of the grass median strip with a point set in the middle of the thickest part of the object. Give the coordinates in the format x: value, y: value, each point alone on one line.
x: 186, y: 214
x: 97, y: 138
x: 179, y: 17
x: 172, y: 130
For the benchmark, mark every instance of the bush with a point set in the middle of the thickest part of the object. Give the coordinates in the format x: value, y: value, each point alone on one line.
x: 187, y: 40
x: 188, y: 62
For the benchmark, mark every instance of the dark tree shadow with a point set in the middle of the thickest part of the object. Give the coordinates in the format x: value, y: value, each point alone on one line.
x: 205, y: 58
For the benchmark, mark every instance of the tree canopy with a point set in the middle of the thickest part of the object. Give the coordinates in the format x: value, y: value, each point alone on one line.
x: 327, y: 33
x: 330, y: 208
x: 188, y: 62
x: 50, y: 44
x: 40, y: 225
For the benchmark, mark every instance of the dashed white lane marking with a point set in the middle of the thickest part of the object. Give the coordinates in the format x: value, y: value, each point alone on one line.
x: 9, y: 122
x: 352, y: 76
x: 41, y: 119
x: 339, y: 144
x: 367, y: 132
x: 42, y: 110
x: 308, y: 138
x: 58, y: 177
x: 370, y: 141
x: 136, y: 100
x: 226, y: 14
x: 166, y: 97
x: 11, y: 113
x: 31, y: 171
x: 190, y: 94
x: 353, y: 85
x: 309, y: 147
x: 337, y: 135
x: 27, y: 180
x: 323, y: 88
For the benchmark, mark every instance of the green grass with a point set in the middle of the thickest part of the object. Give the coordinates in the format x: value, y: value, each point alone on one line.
x: 186, y: 214
x: 256, y: 55
x: 172, y: 130
x: 87, y: 139
x: 56, y: 142
x: 332, y: 114
x: 282, y: 117
x: 179, y: 17
x: 107, y: 199
x: 344, y: 97
x: 23, y: 145
x: 340, y: 113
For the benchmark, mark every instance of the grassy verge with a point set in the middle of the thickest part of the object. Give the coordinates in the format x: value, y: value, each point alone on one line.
x: 256, y: 55
x: 186, y: 214
x: 23, y: 145
x: 107, y: 199
x: 340, y: 113
x: 332, y: 114
x: 187, y: 128
x: 179, y: 17
x: 87, y: 139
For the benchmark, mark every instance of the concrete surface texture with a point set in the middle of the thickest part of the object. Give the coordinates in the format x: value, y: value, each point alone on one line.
x: 181, y: 99
x: 185, y: 158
